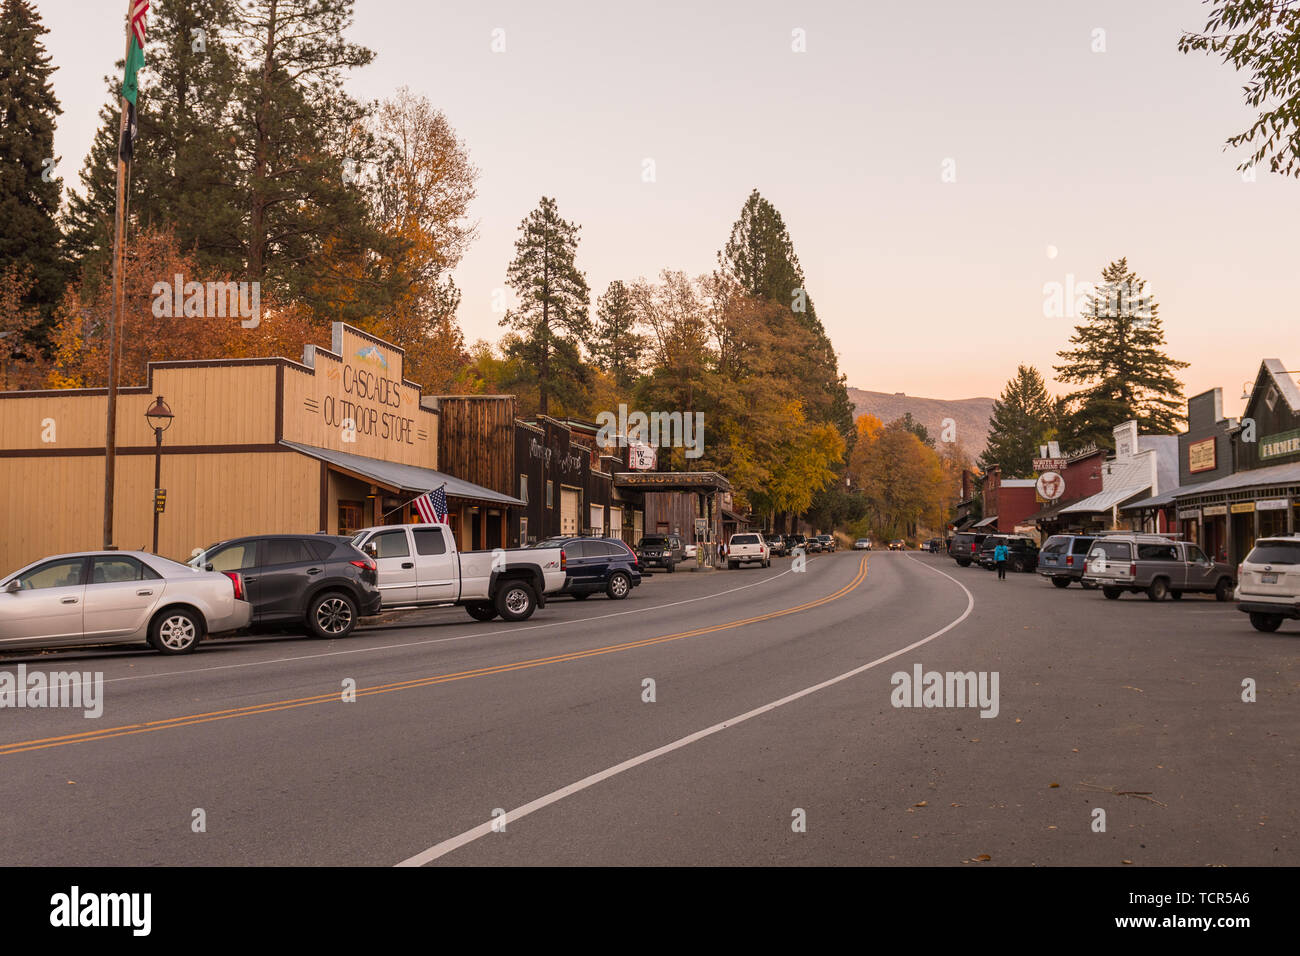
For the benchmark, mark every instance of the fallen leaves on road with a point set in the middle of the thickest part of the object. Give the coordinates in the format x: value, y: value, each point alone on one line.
x: 1138, y: 689
x: 923, y: 803
x: 982, y: 858
x: 1140, y: 794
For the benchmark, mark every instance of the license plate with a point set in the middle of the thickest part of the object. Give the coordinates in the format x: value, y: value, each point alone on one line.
x: 1270, y: 578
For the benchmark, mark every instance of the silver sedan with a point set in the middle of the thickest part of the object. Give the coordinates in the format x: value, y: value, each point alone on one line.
x: 116, y: 597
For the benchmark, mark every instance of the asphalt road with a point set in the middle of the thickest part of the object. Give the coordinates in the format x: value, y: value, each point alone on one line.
x: 772, y: 705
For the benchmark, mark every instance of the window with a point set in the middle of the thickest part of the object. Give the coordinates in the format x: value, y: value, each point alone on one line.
x: 523, y: 488
x: 1157, y: 552
x: 390, y: 544
x: 237, y: 557
x: 1081, y: 545
x: 320, y: 550
x: 351, y: 518
x: 1196, y: 555
x: 111, y: 570
x: 429, y: 541
x: 550, y: 494
x: 744, y: 539
x: 1275, y: 552
x: 1055, y: 545
x: 64, y: 573
x: 1114, y: 550
x: 523, y: 531
x: 281, y: 551
x: 578, y: 549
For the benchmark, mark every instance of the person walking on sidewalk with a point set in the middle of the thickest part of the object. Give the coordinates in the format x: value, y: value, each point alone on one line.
x: 1000, y: 559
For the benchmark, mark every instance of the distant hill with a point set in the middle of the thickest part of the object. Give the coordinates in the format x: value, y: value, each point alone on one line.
x: 970, y: 414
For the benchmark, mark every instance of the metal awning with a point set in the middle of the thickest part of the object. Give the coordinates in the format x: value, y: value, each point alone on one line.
x: 986, y: 522
x: 403, y: 477
x: 1288, y: 474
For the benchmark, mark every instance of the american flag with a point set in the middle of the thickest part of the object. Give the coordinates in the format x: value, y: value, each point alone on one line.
x: 432, y: 506
x: 139, y: 12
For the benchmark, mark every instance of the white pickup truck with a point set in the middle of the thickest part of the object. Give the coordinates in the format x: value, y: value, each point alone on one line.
x: 419, y: 566
x: 747, y: 547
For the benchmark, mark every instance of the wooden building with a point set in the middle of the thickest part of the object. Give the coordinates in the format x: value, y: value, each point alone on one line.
x: 334, y: 443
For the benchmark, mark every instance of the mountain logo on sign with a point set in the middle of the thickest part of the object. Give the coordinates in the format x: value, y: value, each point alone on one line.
x: 373, y: 356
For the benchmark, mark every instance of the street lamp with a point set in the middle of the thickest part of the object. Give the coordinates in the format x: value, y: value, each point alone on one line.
x: 159, y: 416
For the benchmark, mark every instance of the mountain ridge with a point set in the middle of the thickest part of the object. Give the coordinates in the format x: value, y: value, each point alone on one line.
x: 971, y: 415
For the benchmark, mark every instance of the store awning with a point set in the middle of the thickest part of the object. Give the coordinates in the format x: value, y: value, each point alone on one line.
x: 402, y: 477
x: 1288, y: 474
x: 961, y: 523
x: 1157, y: 501
x: 987, y: 522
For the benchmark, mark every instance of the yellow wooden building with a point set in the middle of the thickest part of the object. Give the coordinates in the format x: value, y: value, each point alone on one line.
x: 334, y: 443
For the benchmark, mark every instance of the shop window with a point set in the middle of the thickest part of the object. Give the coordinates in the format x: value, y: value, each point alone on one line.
x: 523, y: 488
x: 550, y: 494
x: 351, y: 517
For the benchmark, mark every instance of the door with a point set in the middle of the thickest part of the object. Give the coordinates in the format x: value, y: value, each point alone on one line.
x: 399, y: 583
x: 47, y: 605
x: 1201, y: 573
x: 1161, y: 561
x: 285, y: 571
x: 120, y: 596
x: 570, y: 510
x: 436, y: 565
x: 584, y: 564
x: 597, y: 520
x: 616, y: 523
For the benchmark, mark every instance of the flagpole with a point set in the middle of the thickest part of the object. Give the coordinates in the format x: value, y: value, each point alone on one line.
x: 119, y: 297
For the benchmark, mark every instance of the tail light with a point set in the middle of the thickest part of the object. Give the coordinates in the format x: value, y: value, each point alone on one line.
x: 1133, y: 569
x: 635, y: 559
x: 972, y: 547
x: 237, y: 580
x: 1069, y: 560
x: 365, y: 564
x: 564, y: 560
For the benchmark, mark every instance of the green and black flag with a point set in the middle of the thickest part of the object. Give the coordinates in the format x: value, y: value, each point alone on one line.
x: 131, y: 82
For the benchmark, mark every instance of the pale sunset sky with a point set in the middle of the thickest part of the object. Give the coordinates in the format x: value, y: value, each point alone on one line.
x: 1065, y: 159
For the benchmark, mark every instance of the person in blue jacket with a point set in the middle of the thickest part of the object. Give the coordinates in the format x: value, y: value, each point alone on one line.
x: 1000, y: 559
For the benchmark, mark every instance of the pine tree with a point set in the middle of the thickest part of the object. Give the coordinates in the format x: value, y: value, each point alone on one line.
x: 616, y: 345
x: 759, y: 256
x: 1119, y: 357
x: 1023, y: 419
x: 552, y: 318
x: 29, y: 193
x: 908, y: 423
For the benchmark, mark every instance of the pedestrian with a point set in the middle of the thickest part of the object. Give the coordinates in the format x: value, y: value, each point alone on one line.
x: 1000, y: 558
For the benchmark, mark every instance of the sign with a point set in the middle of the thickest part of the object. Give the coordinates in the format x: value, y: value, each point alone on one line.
x: 701, y: 527
x: 1279, y: 446
x: 1215, y: 511
x: 1189, y: 513
x: 159, y: 500
x: 1050, y: 486
x: 1050, y: 464
x: 1272, y: 504
x: 1202, y: 455
x: 1243, y: 508
x: 641, y: 457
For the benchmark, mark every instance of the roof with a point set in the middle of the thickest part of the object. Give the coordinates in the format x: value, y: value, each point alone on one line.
x: 1156, y: 501
x: 1286, y: 474
x: 984, y: 523
x: 1285, y: 383
x: 403, y: 477
x: 1124, y: 480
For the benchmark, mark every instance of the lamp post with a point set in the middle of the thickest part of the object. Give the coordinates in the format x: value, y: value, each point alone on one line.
x: 159, y: 416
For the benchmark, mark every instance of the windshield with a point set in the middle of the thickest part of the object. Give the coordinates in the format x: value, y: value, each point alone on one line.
x: 1276, y: 552
x: 744, y: 539
x: 653, y: 541
x: 1116, y: 550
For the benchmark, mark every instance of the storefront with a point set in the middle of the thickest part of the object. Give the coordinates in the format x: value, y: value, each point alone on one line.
x: 336, y: 442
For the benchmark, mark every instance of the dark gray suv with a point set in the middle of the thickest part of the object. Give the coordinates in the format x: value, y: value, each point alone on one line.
x: 661, y: 551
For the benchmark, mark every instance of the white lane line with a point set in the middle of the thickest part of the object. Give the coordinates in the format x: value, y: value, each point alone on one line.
x: 483, y: 829
x: 440, y: 640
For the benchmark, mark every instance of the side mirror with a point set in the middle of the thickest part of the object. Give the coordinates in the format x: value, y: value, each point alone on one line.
x: 13, y: 587
x: 208, y: 567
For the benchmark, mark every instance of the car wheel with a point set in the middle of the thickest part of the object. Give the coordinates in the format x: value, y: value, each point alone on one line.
x: 1017, y: 565
x: 482, y: 610
x: 1159, y: 590
x: 516, y: 601
x: 1223, y: 590
x: 1112, y: 594
x: 619, y: 585
x: 1176, y: 595
x: 176, y: 631
x: 731, y: 565
x: 1268, y: 623
x: 332, y: 614
x: 1061, y: 582
x: 960, y: 563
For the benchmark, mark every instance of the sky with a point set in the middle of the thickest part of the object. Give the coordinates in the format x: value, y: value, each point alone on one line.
x: 939, y: 166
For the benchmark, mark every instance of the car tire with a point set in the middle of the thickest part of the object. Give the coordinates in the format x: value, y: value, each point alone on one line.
x: 176, y: 631
x: 1268, y: 623
x: 731, y: 565
x: 332, y: 614
x: 619, y: 586
x: 963, y: 564
x: 1112, y: 594
x: 1018, y: 565
x: 1176, y: 595
x: 515, y: 601
x: 482, y: 610
x: 1061, y: 582
x: 1223, y: 590
x: 1158, y: 590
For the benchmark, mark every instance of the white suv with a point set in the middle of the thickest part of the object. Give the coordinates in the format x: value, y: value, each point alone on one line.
x: 1269, y: 588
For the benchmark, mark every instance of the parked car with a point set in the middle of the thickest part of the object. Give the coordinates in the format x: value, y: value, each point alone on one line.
x: 933, y: 545
x: 1269, y: 582
x: 862, y: 544
x: 1022, y: 552
x: 96, y: 597
x: 420, y: 566
x: 317, y: 580
x: 748, y: 548
x: 661, y: 551
x: 1062, y: 558
x: 965, y: 547
x: 828, y: 543
x: 812, y: 544
x: 689, y: 548
x: 898, y: 544
x: 793, y: 541
x: 596, y: 566
x: 776, y: 544
x: 1155, y: 564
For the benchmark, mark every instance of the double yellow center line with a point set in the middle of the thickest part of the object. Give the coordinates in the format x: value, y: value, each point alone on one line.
x: 171, y: 723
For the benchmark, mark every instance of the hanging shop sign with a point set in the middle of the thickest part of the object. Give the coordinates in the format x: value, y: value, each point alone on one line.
x: 1272, y: 504
x: 1202, y: 456
x: 1050, y: 486
x: 1215, y: 511
x: 1279, y: 446
x: 1243, y: 508
x: 1189, y: 514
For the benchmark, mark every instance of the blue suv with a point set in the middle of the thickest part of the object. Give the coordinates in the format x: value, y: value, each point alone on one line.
x: 597, y: 565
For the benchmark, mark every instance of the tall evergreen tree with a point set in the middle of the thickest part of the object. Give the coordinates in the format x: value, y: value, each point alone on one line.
x: 616, y: 345
x: 910, y: 424
x: 759, y: 256
x: 552, y: 319
x: 1119, y: 357
x: 1023, y: 418
x: 29, y: 192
